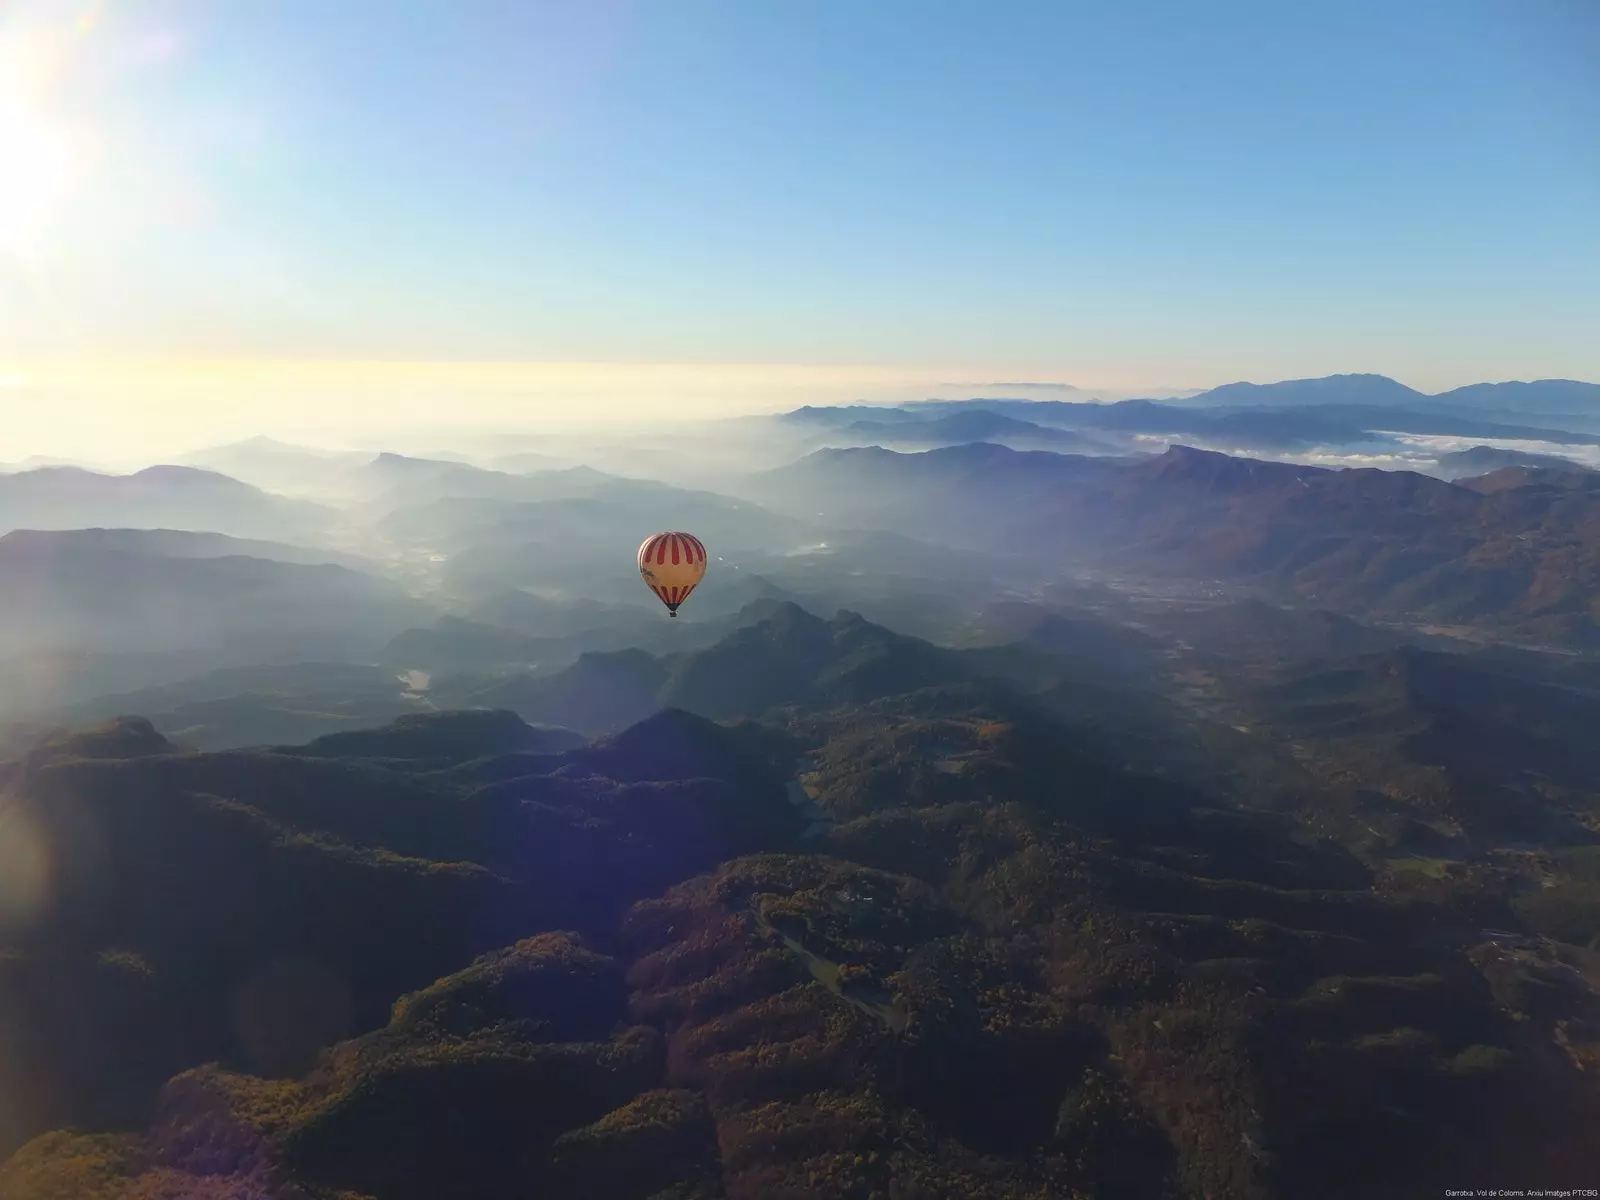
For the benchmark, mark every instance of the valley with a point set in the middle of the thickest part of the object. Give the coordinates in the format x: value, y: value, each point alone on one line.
x: 942, y: 853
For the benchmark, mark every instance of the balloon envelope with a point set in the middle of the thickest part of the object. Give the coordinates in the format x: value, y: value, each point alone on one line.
x: 671, y: 564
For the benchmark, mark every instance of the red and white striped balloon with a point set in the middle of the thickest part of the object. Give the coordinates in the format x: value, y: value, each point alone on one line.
x: 671, y: 565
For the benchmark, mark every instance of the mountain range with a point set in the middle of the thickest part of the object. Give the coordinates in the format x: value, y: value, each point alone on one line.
x: 778, y: 656
x: 1144, y: 820
x: 1388, y: 544
x: 109, y: 591
x: 1539, y: 396
x: 164, y: 497
x: 1290, y: 425
x: 912, y: 930
x: 1557, y: 396
x: 974, y: 425
x: 172, y: 543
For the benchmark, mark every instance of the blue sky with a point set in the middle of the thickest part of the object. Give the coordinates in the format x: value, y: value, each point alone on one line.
x: 1113, y: 193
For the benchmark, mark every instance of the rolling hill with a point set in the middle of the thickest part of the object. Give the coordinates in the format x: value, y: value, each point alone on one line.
x: 164, y: 497
x: 254, y: 705
x: 967, y: 495
x: 780, y: 656
x: 1481, y: 460
x: 171, y: 543
x: 93, y: 593
x: 280, y: 467
x: 318, y: 884
x: 973, y: 426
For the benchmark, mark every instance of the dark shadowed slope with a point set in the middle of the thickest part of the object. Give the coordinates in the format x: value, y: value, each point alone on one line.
x: 1004, y: 968
x: 792, y: 658
x: 313, y: 887
x: 601, y: 692
x: 1479, y: 747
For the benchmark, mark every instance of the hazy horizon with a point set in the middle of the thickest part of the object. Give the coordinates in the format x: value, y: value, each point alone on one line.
x: 617, y: 211
x: 141, y: 412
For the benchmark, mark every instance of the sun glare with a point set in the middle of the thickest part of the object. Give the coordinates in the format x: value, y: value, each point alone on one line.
x: 35, y: 170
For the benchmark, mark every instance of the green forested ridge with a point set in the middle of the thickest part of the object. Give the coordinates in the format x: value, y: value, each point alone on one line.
x: 992, y: 954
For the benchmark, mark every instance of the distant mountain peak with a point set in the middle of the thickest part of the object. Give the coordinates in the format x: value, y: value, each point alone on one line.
x: 1353, y: 388
x: 789, y: 611
x: 262, y: 442
x: 1343, y: 377
x: 629, y: 657
x: 765, y: 608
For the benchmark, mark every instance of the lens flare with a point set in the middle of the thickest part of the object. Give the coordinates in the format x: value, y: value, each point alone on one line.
x: 24, y: 871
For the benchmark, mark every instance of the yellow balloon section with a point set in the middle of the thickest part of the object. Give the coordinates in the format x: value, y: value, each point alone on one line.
x: 671, y: 564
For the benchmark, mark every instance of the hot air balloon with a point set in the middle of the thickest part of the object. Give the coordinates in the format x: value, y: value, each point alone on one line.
x: 671, y: 564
